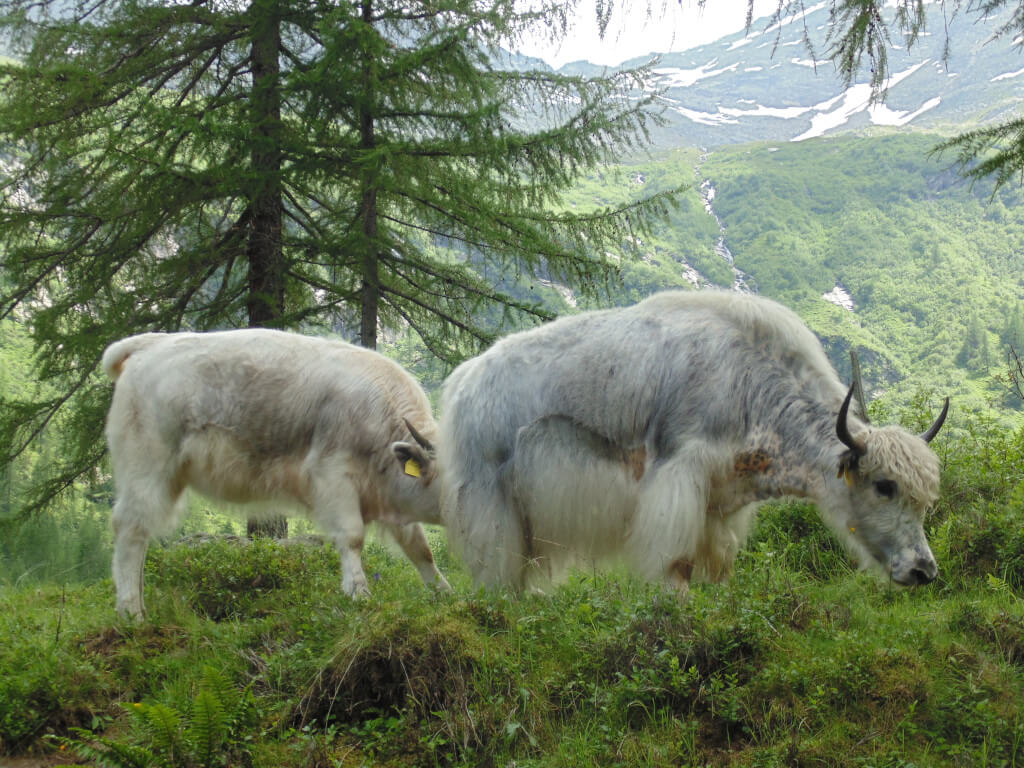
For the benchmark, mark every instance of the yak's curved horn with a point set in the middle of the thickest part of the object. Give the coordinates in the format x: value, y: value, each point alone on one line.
x: 933, y: 430
x: 424, y: 443
x: 859, y: 383
x: 843, y: 432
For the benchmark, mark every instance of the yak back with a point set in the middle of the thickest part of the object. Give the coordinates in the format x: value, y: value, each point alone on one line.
x: 677, y: 364
x: 275, y: 392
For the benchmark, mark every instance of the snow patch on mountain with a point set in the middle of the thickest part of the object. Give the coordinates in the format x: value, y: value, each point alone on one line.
x: 762, y: 111
x: 856, y: 99
x: 825, y: 116
x: 704, y: 118
x: 840, y: 297
x: 673, y: 77
x: 812, y: 63
x: 1007, y: 76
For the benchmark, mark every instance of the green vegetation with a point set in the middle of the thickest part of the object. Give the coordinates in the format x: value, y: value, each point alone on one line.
x: 932, y: 263
x: 799, y: 660
x: 250, y: 656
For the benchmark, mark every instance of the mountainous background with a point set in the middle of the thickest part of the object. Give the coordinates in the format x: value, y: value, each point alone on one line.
x: 765, y: 84
x: 797, y: 187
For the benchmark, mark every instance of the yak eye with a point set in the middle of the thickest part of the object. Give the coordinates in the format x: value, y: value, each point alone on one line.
x: 885, y: 488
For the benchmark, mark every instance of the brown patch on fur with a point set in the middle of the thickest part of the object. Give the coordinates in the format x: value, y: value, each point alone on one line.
x: 754, y: 462
x: 636, y: 460
x: 180, y: 479
x: 118, y: 367
x: 681, y: 570
x: 295, y: 482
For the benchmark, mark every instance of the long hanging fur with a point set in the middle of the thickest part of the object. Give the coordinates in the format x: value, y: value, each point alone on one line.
x: 649, y: 434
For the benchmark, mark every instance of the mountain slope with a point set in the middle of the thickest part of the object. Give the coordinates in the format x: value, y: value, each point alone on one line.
x: 874, y: 243
x: 765, y: 85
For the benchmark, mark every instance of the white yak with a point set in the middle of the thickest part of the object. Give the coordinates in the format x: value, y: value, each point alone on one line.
x: 260, y: 415
x: 648, y: 433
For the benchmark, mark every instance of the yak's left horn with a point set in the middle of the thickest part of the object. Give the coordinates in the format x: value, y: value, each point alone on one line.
x: 843, y: 431
x: 858, y: 382
x: 933, y: 430
x: 424, y: 443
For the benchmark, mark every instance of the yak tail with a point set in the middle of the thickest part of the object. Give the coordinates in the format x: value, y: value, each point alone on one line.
x: 116, y: 354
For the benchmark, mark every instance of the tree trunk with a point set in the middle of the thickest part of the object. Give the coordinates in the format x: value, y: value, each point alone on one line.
x: 370, y: 295
x: 267, y: 269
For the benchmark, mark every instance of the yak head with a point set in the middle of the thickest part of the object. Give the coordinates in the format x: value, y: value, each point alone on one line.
x: 888, y: 479
x: 416, y: 495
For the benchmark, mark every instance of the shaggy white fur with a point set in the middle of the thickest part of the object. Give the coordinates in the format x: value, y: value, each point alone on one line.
x: 650, y: 433
x: 267, y: 416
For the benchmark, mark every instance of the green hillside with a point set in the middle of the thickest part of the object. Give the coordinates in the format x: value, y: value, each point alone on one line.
x: 919, y: 251
x: 251, y: 656
x: 935, y: 268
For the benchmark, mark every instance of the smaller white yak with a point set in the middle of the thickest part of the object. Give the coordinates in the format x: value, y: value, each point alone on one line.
x: 261, y: 415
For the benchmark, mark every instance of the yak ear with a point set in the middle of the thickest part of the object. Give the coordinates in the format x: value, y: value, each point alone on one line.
x: 412, y: 458
x: 848, y: 465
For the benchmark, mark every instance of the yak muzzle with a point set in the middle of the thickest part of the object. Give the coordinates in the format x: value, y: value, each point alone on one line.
x: 923, y: 571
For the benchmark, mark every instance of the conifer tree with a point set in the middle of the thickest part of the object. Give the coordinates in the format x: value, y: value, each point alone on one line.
x: 292, y: 163
x: 974, y: 353
x: 1013, y: 331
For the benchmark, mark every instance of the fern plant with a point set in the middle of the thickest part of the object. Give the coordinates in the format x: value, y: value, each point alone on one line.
x: 164, y: 737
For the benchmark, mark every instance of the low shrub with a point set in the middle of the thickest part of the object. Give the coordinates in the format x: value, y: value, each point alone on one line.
x: 791, y: 534
x: 204, y: 734
x: 231, y: 578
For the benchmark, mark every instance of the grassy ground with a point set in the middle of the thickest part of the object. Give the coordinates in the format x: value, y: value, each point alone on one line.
x: 251, y: 657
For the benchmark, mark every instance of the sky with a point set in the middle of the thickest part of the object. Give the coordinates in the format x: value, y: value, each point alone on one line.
x: 671, y: 26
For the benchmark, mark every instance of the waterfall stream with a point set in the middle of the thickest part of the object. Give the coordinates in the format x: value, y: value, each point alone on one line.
x: 741, y: 281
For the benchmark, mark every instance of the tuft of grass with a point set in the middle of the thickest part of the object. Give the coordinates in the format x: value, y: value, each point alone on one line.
x: 235, y: 578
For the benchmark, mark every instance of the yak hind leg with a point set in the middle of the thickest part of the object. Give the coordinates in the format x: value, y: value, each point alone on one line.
x: 130, y: 543
x: 413, y: 541
x: 486, y: 533
x: 668, y: 527
x: 137, y: 515
x: 678, y: 576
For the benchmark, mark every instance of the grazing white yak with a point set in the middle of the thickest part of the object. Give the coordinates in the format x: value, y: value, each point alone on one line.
x: 260, y: 415
x: 648, y: 433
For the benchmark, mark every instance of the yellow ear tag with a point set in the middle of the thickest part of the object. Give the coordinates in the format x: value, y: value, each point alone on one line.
x: 412, y: 468
x: 849, y: 478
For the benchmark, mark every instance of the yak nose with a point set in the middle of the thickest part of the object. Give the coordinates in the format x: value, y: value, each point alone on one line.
x: 924, y: 571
